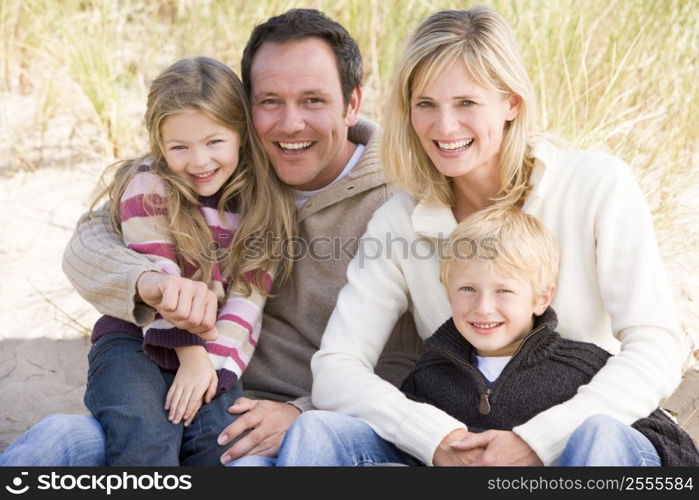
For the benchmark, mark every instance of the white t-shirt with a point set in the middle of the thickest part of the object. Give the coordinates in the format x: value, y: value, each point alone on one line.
x: 301, y: 197
x: 492, y: 366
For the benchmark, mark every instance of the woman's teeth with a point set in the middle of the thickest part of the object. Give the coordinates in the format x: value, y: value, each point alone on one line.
x: 455, y: 146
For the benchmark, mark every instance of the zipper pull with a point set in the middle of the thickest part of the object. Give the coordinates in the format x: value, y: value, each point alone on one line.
x: 484, y: 405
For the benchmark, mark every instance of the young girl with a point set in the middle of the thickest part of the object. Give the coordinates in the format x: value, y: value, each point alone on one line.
x: 193, y: 206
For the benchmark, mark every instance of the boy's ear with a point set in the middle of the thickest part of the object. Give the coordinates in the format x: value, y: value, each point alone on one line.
x: 543, y: 300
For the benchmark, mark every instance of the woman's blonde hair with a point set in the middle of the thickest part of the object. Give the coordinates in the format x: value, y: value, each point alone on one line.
x: 482, y: 39
x: 514, y: 243
x: 268, y: 218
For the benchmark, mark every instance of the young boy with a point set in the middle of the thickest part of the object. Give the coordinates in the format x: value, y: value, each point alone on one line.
x: 498, y: 361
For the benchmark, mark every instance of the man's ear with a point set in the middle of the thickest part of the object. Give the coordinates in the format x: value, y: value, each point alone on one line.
x: 543, y: 300
x: 352, y: 111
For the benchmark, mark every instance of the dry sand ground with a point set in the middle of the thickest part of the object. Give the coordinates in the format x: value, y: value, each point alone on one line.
x: 43, y: 344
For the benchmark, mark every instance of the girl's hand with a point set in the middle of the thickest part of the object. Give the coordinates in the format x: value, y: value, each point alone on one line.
x: 195, y: 382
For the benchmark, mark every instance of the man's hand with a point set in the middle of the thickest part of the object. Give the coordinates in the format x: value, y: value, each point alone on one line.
x: 501, y: 448
x: 267, y: 422
x: 447, y: 455
x: 195, y: 381
x: 185, y: 303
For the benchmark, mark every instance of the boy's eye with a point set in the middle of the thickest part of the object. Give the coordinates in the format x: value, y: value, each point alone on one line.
x: 504, y: 290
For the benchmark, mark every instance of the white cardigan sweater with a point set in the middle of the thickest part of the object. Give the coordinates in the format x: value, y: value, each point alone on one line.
x: 612, y: 291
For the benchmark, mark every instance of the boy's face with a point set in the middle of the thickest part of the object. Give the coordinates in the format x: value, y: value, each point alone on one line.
x: 493, y: 312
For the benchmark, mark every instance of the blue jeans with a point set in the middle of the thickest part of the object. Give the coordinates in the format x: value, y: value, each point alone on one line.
x: 59, y: 440
x: 603, y: 440
x: 324, y: 438
x: 126, y: 392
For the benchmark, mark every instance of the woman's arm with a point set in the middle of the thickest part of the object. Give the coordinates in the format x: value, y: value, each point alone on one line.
x: 367, y: 308
x: 636, y: 295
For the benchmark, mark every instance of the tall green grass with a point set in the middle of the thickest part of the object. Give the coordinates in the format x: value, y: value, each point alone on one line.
x: 611, y: 74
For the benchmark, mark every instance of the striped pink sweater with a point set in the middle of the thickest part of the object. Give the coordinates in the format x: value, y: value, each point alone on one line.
x: 239, y: 319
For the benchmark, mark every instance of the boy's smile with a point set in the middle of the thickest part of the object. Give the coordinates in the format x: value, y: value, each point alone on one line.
x: 494, y: 313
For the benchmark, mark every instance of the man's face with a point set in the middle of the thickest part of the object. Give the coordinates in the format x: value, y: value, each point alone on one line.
x: 299, y: 113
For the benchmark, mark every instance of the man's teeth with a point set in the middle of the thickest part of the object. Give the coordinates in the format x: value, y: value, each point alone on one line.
x: 486, y: 325
x: 453, y: 146
x: 294, y: 146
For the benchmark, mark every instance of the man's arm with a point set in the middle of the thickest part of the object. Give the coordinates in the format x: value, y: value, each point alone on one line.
x: 117, y: 281
x: 104, y: 271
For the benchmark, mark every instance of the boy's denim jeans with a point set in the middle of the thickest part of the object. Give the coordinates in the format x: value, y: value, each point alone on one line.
x: 126, y: 394
x: 323, y: 438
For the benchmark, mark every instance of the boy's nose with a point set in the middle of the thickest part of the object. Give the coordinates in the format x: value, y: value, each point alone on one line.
x: 485, y: 305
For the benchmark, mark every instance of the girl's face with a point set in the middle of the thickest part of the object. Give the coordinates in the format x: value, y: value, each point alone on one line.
x: 459, y: 123
x: 200, y: 149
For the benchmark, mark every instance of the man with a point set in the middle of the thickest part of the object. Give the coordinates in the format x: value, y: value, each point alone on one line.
x: 302, y: 72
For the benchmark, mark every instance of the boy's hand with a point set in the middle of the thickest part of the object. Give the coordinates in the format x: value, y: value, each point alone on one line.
x: 195, y: 381
x: 185, y: 303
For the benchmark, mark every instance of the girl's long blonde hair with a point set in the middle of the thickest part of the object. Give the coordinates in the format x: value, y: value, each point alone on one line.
x: 268, y: 218
x: 484, y: 41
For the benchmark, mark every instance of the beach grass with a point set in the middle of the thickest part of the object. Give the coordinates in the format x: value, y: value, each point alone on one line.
x: 616, y: 75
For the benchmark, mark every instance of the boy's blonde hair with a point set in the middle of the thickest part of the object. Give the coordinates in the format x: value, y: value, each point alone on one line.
x: 516, y: 244
x: 482, y: 39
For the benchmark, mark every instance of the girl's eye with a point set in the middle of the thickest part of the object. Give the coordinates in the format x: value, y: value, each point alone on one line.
x: 215, y: 141
x: 423, y: 104
x: 504, y: 290
x: 178, y: 148
x: 467, y: 102
x: 467, y: 289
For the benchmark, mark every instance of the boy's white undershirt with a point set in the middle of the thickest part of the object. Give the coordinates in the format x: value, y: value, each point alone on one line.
x: 492, y: 366
x: 301, y: 197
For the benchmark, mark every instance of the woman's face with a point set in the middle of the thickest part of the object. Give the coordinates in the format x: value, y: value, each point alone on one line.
x: 459, y: 123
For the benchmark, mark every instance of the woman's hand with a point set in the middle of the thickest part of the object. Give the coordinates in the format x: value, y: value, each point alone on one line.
x: 195, y: 382
x: 447, y: 454
x: 185, y: 303
x: 501, y: 448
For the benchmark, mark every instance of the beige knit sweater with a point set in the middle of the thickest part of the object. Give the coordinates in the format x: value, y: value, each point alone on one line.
x: 104, y: 272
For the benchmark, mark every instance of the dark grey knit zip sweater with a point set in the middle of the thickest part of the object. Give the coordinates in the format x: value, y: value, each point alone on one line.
x: 545, y: 371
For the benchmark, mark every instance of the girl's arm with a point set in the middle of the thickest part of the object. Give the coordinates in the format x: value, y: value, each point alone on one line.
x: 238, y: 325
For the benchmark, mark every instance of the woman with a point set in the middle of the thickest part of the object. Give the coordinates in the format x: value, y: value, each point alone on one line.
x: 458, y: 138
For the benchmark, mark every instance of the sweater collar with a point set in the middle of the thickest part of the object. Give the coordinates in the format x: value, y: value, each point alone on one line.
x: 366, y: 175
x: 433, y: 219
x: 447, y: 338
